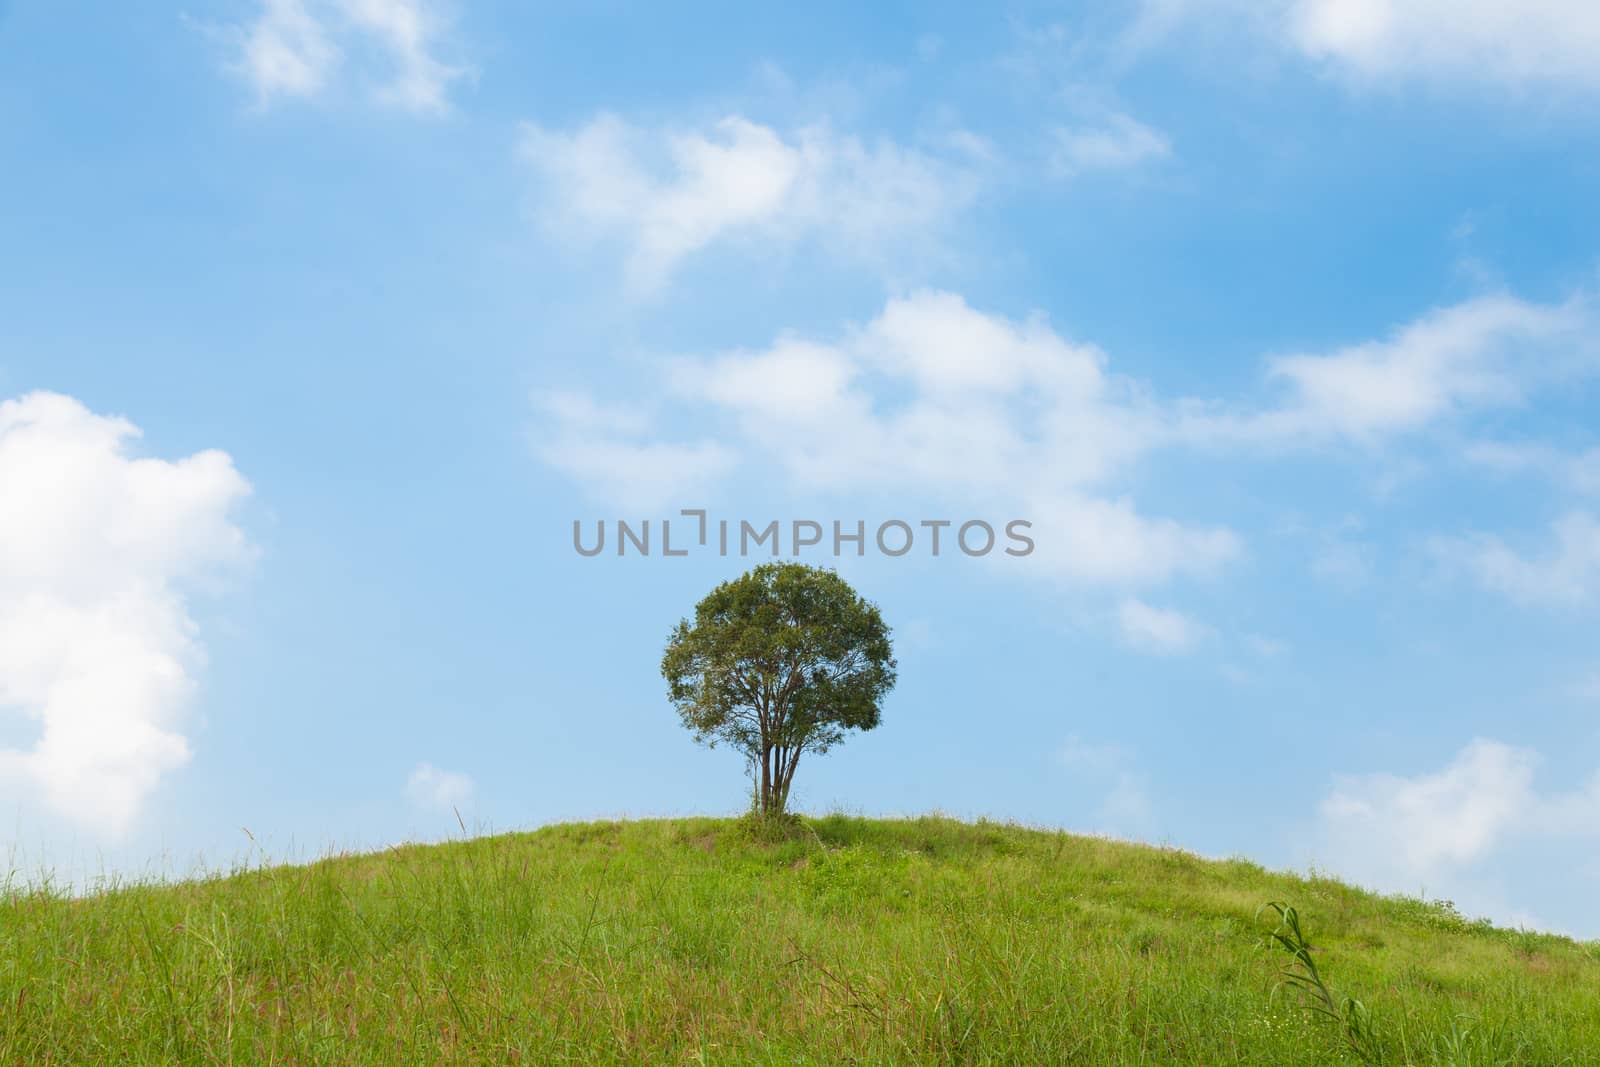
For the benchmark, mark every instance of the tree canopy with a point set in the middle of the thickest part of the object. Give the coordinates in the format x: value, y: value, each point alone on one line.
x: 784, y: 660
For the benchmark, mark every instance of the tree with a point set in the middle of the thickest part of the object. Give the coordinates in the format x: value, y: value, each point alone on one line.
x: 779, y: 662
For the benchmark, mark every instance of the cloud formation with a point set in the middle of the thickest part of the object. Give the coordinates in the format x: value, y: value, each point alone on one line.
x: 1394, y: 831
x: 1578, y: 472
x: 1550, y: 43
x: 1486, y: 352
x: 667, y: 193
x: 97, y: 648
x: 935, y: 397
x: 293, y: 48
x: 1116, y: 143
x: 1157, y: 629
x: 1533, y: 41
x: 428, y: 787
x: 1568, y: 575
x: 285, y: 51
x: 1037, y: 425
x: 608, y: 451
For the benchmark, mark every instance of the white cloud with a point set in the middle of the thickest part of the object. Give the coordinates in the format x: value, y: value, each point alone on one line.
x: 1531, y: 41
x: 292, y: 48
x: 1118, y: 142
x: 1265, y: 646
x: 286, y: 51
x: 1095, y: 540
x: 937, y: 399
x: 666, y: 194
x: 97, y: 648
x: 429, y: 787
x: 1485, y: 352
x: 1347, y: 564
x: 1394, y: 831
x: 1157, y: 629
x: 794, y: 382
x: 1462, y: 355
x: 1567, y: 576
x: 406, y: 28
x: 1579, y: 471
x: 976, y: 398
x: 1452, y: 816
x: 605, y: 450
x: 1554, y: 43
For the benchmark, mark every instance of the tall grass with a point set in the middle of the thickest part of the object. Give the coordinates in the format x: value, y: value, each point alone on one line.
x: 1466, y: 1043
x: 1349, y: 1016
x: 835, y: 941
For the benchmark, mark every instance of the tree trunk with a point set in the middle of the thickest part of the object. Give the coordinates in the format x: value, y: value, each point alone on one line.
x: 787, y: 778
x: 766, y: 781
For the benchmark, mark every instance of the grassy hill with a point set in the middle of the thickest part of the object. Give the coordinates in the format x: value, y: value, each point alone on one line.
x: 694, y: 941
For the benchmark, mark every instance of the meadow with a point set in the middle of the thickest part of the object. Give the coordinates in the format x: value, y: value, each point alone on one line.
x: 839, y: 941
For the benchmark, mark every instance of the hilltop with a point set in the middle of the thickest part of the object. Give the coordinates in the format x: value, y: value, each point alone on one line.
x: 701, y: 941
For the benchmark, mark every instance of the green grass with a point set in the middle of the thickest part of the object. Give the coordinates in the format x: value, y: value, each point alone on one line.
x: 851, y: 941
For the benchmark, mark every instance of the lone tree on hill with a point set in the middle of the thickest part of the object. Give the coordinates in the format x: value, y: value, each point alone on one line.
x: 781, y: 661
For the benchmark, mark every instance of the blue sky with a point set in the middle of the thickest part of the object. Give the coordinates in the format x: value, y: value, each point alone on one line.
x: 321, y: 321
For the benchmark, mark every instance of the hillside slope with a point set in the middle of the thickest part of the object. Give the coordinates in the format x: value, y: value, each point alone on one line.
x: 689, y: 941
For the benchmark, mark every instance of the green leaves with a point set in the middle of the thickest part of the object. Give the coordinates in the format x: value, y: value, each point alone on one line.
x: 1350, y: 1016
x: 782, y: 660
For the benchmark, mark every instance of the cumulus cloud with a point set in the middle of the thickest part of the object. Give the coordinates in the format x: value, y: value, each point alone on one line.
x: 1157, y: 629
x: 935, y: 401
x: 1097, y: 540
x: 1577, y: 471
x: 932, y: 399
x: 97, y: 647
x: 1117, y: 142
x: 1394, y: 831
x: 668, y: 193
x: 429, y: 787
x: 1567, y: 575
x: 607, y: 450
x: 1474, y: 353
x: 1554, y: 43
x: 930, y: 390
x: 1489, y: 351
x: 1533, y: 41
x: 293, y: 49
